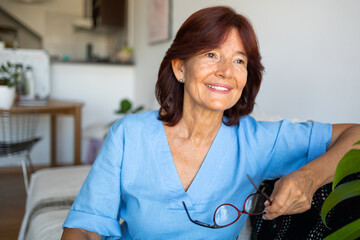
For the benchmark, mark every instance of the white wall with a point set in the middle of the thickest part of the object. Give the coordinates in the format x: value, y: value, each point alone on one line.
x: 310, y: 52
x: 147, y: 58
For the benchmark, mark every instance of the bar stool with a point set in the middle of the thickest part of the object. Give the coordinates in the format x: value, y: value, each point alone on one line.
x: 17, y: 138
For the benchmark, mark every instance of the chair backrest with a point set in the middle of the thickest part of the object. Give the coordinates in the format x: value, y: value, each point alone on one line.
x: 17, y: 132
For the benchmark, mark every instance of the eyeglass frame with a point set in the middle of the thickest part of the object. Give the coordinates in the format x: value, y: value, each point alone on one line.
x: 215, y: 226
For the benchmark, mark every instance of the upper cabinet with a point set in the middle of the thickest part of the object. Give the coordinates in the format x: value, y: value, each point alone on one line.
x: 103, y: 15
x: 109, y: 13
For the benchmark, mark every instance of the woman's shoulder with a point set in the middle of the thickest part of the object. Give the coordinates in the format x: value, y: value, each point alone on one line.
x: 251, y: 127
x: 136, y: 121
x: 252, y: 122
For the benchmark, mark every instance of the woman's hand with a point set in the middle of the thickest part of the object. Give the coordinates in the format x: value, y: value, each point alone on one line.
x: 292, y: 194
x: 79, y: 234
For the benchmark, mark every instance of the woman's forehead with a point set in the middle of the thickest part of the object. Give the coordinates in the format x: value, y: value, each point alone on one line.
x: 232, y: 40
x: 232, y: 36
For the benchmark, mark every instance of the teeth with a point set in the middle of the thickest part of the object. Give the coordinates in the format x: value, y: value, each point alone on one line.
x: 217, y: 88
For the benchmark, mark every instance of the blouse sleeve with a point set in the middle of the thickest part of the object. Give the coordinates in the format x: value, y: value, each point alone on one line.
x: 283, y: 147
x: 97, y: 205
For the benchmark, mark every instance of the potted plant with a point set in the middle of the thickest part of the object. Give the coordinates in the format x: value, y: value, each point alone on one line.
x: 125, y: 107
x: 349, y: 164
x: 8, y: 76
x: 125, y: 54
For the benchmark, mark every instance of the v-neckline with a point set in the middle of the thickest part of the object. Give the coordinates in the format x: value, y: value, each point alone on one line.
x: 206, y: 173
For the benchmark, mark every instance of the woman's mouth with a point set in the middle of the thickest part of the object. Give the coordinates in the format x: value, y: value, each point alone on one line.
x: 219, y: 87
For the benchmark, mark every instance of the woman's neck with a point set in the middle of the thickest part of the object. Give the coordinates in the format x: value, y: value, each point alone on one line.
x: 199, y: 124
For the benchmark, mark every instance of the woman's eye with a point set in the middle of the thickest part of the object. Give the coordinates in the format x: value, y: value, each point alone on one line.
x: 210, y: 55
x: 240, y: 61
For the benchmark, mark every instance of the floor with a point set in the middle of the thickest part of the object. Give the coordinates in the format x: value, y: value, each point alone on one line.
x: 12, y: 203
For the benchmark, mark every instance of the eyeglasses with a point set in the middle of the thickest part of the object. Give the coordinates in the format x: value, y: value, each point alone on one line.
x: 227, y: 214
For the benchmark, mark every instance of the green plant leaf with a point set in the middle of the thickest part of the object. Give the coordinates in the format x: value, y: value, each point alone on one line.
x: 341, y: 193
x: 349, y: 164
x: 8, y: 74
x: 358, y: 142
x: 125, y: 106
x: 138, y: 109
x: 4, y: 69
x: 348, y: 232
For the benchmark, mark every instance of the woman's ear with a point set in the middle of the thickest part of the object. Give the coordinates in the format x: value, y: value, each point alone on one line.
x: 178, y: 68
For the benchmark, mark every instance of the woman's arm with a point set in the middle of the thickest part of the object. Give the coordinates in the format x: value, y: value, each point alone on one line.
x: 79, y: 234
x: 293, y: 193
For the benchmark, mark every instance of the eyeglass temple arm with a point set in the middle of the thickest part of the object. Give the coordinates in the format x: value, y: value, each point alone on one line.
x: 266, y: 196
x: 196, y: 221
x: 257, y: 189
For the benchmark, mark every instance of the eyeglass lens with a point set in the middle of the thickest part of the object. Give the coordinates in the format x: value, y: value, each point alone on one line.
x: 255, y: 204
x: 226, y: 214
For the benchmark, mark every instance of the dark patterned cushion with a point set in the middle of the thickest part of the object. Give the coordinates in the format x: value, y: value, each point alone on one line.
x: 307, y: 225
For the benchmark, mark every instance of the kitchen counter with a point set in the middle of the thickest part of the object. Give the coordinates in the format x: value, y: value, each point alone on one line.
x: 93, y: 62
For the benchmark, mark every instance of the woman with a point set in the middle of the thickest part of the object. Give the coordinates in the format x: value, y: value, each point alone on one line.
x: 199, y: 147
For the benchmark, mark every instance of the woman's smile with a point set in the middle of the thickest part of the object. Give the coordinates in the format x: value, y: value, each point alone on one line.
x: 219, y: 88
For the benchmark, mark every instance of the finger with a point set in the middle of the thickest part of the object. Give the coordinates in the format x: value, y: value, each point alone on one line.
x: 275, y: 190
x: 269, y: 216
x: 288, y: 208
x: 279, y: 197
x: 297, y: 210
x: 296, y: 203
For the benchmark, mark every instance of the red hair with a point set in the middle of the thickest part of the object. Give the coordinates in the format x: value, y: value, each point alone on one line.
x: 205, y: 30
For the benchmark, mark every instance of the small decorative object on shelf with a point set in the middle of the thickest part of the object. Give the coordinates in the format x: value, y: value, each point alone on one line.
x: 125, y: 55
x: 29, y: 90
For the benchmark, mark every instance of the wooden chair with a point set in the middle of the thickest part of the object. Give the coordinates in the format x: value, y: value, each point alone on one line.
x: 17, y: 137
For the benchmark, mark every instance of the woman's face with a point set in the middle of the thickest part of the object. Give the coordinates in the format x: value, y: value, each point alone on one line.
x: 214, y: 80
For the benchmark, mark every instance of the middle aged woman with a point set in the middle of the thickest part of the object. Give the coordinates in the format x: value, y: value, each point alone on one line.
x: 198, y: 149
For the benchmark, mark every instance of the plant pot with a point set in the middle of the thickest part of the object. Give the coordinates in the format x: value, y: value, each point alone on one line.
x: 124, y: 56
x: 7, y: 97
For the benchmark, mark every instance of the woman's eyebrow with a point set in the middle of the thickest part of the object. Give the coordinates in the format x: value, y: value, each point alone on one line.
x: 241, y: 53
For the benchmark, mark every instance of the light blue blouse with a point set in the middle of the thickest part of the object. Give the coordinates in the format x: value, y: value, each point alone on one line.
x: 134, y: 177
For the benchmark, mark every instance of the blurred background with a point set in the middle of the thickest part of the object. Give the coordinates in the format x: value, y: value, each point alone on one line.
x: 102, y: 51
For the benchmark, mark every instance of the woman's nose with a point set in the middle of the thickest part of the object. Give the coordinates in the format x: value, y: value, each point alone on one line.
x: 224, y: 69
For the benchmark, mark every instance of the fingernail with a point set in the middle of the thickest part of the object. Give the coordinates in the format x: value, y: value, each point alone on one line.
x: 266, y: 203
x: 263, y: 216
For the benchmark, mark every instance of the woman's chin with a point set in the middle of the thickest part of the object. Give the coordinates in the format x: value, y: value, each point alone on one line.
x: 218, y: 108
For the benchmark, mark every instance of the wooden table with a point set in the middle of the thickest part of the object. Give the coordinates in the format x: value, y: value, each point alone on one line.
x: 54, y: 108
